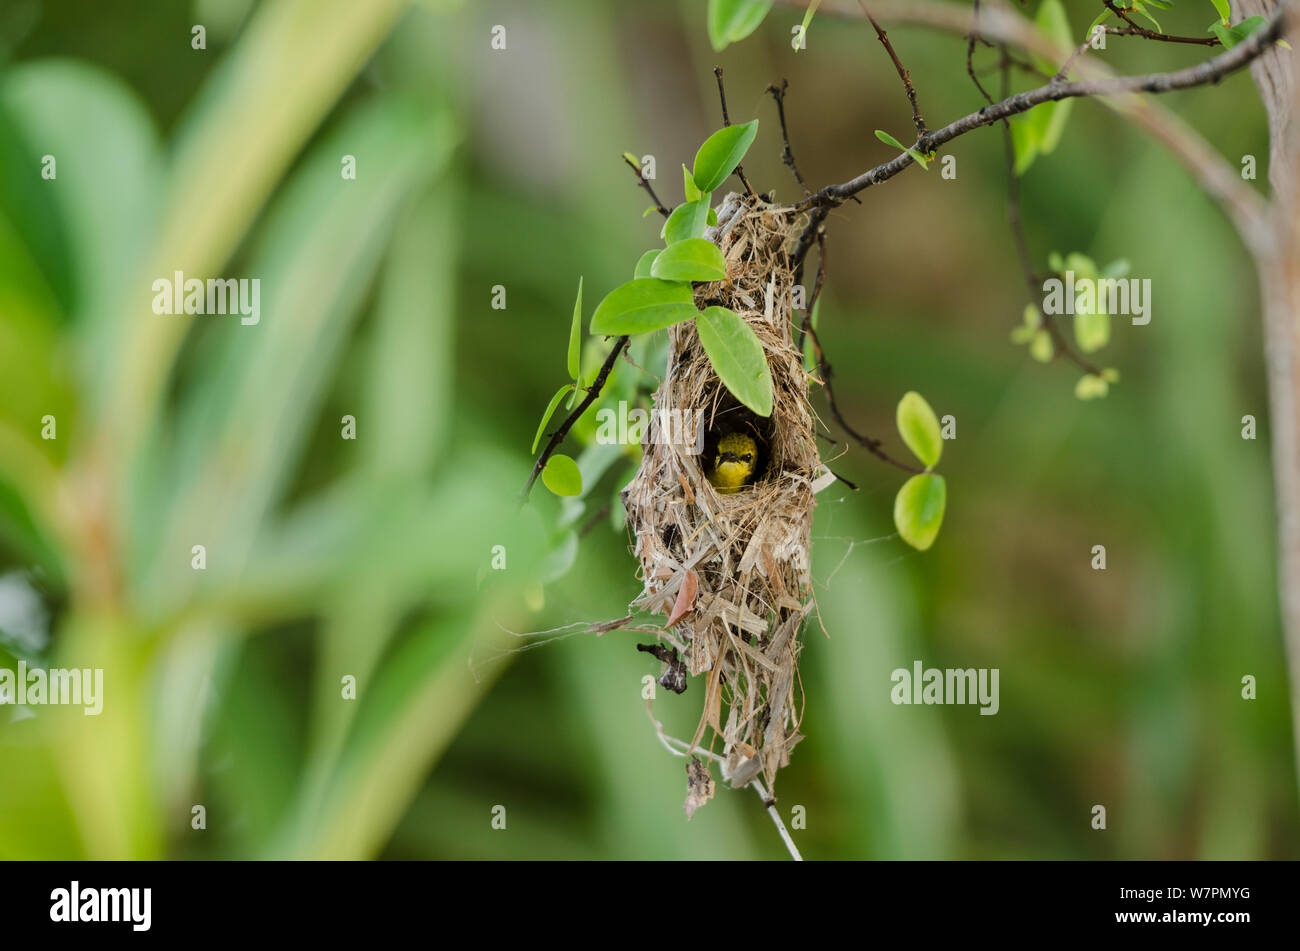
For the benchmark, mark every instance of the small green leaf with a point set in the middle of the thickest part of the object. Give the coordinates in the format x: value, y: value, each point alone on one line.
x: 643, y: 305
x: 1097, y: 22
x: 632, y: 160
x: 730, y: 21
x: 693, y: 192
x: 691, y: 260
x: 1040, y: 348
x: 918, y: 509
x: 1110, y: 375
x: 1022, y: 334
x: 550, y: 411
x: 1225, y: 11
x: 561, y: 475
x: 687, y: 221
x: 917, y: 157
x: 575, y: 337
x: 721, y: 153
x: 1138, y: 8
x: 1090, y: 387
x: 649, y: 211
x: 919, y: 428
x: 737, y: 357
x: 713, y: 218
x: 644, y: 264
x: 1053, y: 23
x: 807, y: 18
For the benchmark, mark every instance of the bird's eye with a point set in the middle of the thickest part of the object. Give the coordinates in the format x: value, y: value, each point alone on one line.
x: 746, y: 457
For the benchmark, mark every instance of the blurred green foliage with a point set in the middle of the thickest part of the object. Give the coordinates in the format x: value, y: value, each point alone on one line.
x: 329, y: 557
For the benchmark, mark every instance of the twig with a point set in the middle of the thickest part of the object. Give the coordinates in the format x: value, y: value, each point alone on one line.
x: 1060, y: 345
x: 726, y: 121
x: 971, y: 39
x: 778, y: 93
x: 903, y: 74
x: 558, y: 436
x: 641, y: 180
x: 768, y: 802
x: 1209, y: 71
x: 873, y: 446
x: 1134, y: 30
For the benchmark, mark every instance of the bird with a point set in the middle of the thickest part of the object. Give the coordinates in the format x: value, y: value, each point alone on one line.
x: 733, y: 466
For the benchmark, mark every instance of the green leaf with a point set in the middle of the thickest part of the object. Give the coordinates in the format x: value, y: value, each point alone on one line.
x: 691, y: 260
x: 917, y: 157
x: 644, y: 264
x: 1091, y: 387
x: 550, y: 411
x: 737, y: 356
x: 1225, y: 10
x: 643, y: 305
x: 561, y: 475
x: 1040, y: 348
x: 693, y: 192
x: 713, y: 218
x: 919, y: 428
x: 1053, y: 23
x: 807, y: 17
x: 632, y: 160
x: 649, y: 211
x: 918, y: 509
x: 1137, y: 8
x: 687, y: 221
x: 721, y: 153
x: 730, y: 21
x: 1110, y: 375
x: 575, y: 337
x: 1227, y: 37
x: 1098, y: 22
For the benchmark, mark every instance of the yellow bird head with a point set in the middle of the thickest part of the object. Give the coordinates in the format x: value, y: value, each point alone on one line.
x: 733, y: 466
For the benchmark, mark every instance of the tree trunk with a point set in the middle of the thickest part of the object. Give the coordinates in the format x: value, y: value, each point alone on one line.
x: 1279, y: 279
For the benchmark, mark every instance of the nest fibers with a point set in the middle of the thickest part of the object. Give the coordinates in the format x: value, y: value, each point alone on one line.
x: 732, y: 571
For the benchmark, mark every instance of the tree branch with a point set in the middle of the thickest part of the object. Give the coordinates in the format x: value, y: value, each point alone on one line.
x: 726, y: 121
x: 641, y: 180
x: 1135, y: 30
x: 1199, y: 75
x: 903, y: 74
x: 557, y: 437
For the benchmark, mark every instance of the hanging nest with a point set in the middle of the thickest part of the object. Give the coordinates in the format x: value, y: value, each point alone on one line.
x: 731, y: 572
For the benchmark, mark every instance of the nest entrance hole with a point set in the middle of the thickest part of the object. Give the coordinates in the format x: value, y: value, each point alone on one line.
x: 724, y: 414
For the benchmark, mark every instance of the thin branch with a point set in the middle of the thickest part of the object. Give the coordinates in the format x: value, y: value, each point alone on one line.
x: 1199, y: 75
x: 1134, y: 30
x: 971, y: 39
x: 903, y: 74
x: 778, y: 93
x: 641, y: 180
x: 726, y: 121
x: 1060, y: 345
x: 873, y: 446
x: 557, y: 437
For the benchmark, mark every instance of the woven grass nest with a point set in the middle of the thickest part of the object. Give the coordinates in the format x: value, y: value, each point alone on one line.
x: 738, y: 564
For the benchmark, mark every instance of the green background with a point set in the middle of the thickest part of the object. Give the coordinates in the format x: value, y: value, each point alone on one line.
x: 329, y: 557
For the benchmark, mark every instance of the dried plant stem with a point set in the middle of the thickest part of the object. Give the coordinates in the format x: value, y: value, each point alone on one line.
x: 682, y: 748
